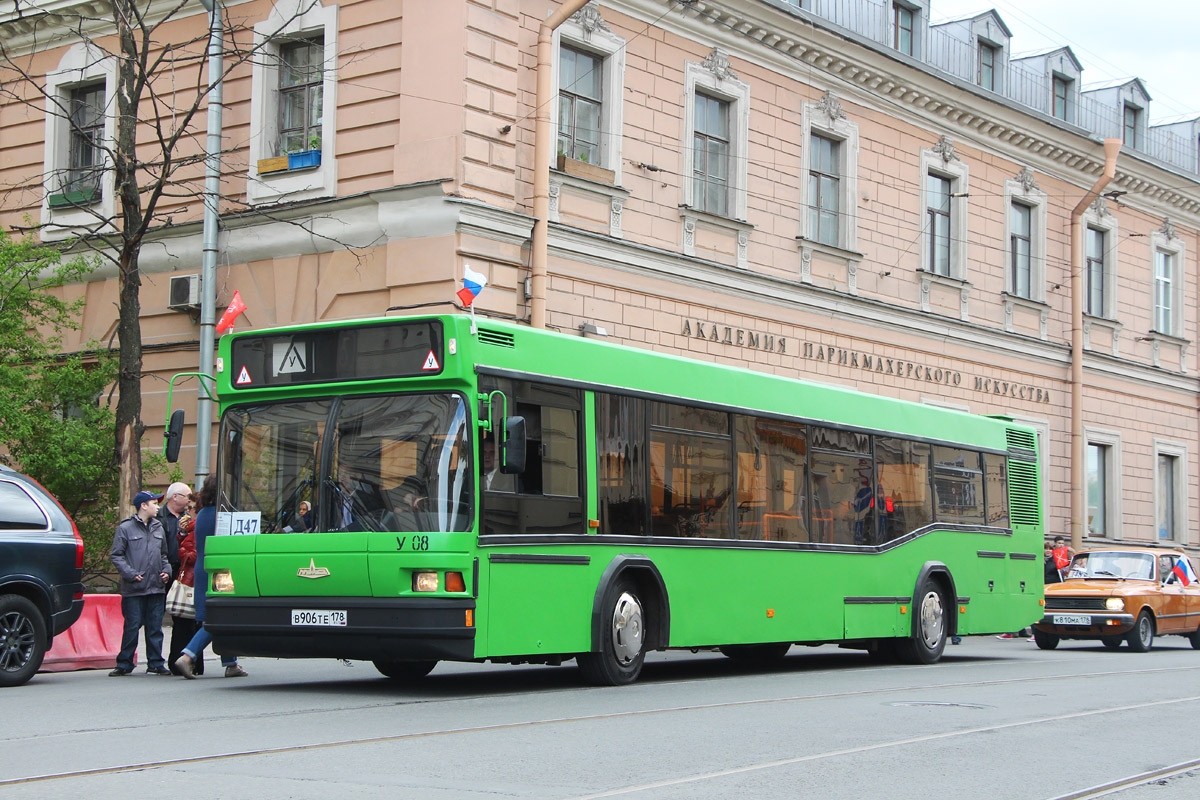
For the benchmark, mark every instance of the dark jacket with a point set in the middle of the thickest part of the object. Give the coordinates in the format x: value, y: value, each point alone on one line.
x: 170, y: 524
x: 140, y: 549
x: 1052, y: 573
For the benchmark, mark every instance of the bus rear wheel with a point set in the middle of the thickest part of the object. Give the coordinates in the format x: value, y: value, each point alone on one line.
x: 760, y: 653
x: 622, y: 638
x: 403, y: 671
x: 929, y: 629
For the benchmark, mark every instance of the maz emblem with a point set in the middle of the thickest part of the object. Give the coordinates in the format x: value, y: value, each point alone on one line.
x: 312, y: 570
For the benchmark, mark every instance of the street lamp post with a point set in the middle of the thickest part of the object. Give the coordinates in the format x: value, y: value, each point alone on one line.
x: 208, y: 272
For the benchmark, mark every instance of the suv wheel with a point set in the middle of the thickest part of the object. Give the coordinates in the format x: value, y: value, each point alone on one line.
x: 22, y: 640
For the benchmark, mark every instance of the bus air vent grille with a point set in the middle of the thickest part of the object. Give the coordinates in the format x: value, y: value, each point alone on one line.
x: 1021, y: 440
x: 497, y: 338
x: 1023, y: 492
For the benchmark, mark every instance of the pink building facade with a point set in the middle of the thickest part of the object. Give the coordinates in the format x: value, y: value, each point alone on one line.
x: 747, y: 182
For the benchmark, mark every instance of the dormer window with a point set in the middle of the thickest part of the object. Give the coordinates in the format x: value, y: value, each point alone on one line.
x: 1062, y: 93
x: 904, y: 21
x: 988, y: 56
x: 1131, y: 122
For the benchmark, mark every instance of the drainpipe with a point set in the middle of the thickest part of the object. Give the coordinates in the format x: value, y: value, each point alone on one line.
x: 208, y: 270
x: 542, y: 139
x: 1112, y: 147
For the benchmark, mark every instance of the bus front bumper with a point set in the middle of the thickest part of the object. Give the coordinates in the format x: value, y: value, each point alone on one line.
x: 359, y: 628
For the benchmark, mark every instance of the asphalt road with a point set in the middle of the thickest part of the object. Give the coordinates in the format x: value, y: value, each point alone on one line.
x: 995, y: 719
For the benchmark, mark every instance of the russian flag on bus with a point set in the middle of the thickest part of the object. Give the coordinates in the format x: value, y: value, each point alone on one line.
x: 1183, y: 572
x: 473, y: 283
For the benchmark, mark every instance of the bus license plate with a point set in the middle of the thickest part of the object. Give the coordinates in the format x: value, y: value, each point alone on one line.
x: 1072, y: 619
x: 325, y: 619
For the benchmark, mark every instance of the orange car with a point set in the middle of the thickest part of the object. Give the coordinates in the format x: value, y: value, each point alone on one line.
x: 1118, y: 594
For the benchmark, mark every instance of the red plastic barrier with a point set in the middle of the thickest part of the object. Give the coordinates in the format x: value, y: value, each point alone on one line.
x: 93, y: 641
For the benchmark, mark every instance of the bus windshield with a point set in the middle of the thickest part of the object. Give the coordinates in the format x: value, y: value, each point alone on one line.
x: 381, y: 463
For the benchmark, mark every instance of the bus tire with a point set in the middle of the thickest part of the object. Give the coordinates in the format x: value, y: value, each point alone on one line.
x: 1045, y: 641
x: 930, y: 626
x: 622, y: 638
x: 761, y: 653
x: 1141, y: 636
x: 405, y: 671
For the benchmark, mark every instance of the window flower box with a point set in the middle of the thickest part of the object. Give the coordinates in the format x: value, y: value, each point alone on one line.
x: 303, y: 159
x: 266, y: 165
x: 71, y: 199
x: 582, y: 169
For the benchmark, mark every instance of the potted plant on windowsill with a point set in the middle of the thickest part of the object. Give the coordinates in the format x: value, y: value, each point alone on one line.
x: 580, y: 168
x: 306, y: 158
x: 293, y: 159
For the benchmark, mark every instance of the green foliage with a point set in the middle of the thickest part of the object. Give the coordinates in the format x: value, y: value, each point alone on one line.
x: 53, y: 425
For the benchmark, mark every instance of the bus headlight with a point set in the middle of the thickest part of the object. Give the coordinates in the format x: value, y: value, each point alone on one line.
x: 222, y: 580
x: 1115, y: 604
x: 425, y: 582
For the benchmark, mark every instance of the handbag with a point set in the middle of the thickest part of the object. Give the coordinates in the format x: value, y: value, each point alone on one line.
x: 181, y: 600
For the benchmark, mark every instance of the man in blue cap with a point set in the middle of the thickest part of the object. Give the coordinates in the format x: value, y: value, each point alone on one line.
x: 139, y: 553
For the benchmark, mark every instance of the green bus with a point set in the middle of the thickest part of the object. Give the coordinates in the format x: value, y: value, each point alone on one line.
x: 409, y: 490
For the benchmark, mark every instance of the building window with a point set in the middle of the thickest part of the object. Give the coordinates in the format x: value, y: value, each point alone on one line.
x: 1062, y: 92
x: 717, y: 130
x: 293, y: 142
x: 85, y: 157
x: 937, y: 193
x: 710, y: 155
x: 824, y: 186
x: 1132, y: 120
x: 580, y: 103
x: 1094, y: 273
x: 1167, y: 477
x: 987, y: 65
x: 1020, y: 222
x: 1164, y: 292
x: 301, y: 81
x: 903, y: 21
x: 1097, y: 489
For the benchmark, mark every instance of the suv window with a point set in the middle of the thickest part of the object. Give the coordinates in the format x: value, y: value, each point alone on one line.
x: 18, y: 511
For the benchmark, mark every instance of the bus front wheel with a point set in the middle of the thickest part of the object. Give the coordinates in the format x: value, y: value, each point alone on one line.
x: 622, y: 638
x: 403, y: 671
x: 930, y: 627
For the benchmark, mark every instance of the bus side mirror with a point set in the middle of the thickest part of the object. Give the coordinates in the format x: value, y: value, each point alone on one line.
x: 512, y: 461
x: 174, y: 436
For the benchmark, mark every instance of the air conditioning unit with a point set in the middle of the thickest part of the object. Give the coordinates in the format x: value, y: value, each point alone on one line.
x: 185, y: 293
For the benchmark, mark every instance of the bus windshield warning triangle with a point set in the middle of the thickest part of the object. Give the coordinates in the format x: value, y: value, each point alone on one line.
x: 431, y: 362
x: 243, y: 377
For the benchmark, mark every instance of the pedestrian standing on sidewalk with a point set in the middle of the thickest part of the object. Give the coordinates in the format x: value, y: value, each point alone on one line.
x: 206, y: 525
x: 139, y: 553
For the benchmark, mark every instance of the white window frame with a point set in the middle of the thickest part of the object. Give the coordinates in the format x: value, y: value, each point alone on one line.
x: 610, y: 47
x: 920, y: 17
x: 958, y: 173
x: 737, y: 94
x: 1036, y: 199
x: 1071, y: 100
x: 1178, y: 451
x: 291, y: 19
x: 815, y: 118
x: 81, y: 65
x: 1112, y: 477
x: 1177, y: 249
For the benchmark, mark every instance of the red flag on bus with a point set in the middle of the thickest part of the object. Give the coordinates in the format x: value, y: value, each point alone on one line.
x: 236, y: 306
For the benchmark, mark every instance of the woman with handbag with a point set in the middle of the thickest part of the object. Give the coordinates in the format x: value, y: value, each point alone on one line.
x: 181, y: 601
x: 206, y: 525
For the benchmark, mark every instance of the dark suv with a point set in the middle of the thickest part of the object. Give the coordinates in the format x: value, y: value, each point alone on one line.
x: 41, y: 572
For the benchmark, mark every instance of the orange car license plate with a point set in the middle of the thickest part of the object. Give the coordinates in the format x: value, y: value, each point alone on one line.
x: 1072, y: 619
